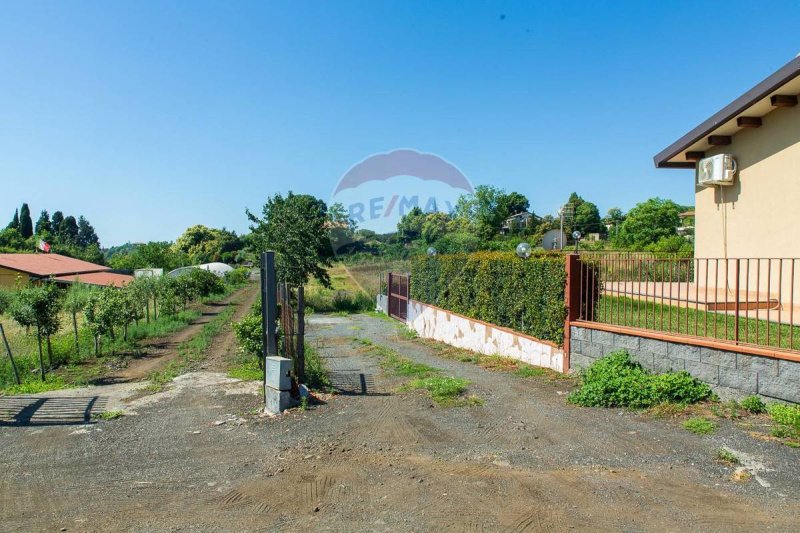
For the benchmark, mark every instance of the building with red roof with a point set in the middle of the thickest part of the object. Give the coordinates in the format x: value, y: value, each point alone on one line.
x: 19, y: 269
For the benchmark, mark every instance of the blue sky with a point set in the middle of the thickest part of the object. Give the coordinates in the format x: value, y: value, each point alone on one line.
x: 148, y: 117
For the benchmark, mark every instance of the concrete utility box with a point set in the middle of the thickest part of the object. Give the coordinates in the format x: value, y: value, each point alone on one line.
x: 278, y: 369
x: 277, y: 401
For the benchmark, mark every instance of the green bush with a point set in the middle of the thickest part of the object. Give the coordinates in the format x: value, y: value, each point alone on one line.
x: 787, y: 415
x: 754, y: 404
x: 497, y: 287
x: 617, y: 381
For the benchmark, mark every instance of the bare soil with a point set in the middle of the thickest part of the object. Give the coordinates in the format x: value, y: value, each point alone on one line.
x: 200, y: 458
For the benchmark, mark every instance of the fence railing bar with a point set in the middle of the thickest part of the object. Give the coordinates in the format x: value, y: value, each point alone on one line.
x: 780, y: 300
x: 769, y: 291
x: 791, y: 310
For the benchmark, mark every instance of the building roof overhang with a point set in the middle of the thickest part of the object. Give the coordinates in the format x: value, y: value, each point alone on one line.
x: 778, y: 90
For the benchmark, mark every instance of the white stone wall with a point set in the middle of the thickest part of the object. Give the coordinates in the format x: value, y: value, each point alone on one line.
x: 433, y: 323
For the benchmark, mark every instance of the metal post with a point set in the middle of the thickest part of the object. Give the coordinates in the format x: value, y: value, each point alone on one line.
x: 301, y: 330
x: 10, y: 356
x: 269, y: 308
x: 736, y: 307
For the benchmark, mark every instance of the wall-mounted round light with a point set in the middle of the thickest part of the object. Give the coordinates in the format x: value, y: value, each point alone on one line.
x: 523, y: 250
x: 432, y: 251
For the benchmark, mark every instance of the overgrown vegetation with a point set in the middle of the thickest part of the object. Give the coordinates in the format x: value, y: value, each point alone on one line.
x: 617, y: 381
x: 497, y: 287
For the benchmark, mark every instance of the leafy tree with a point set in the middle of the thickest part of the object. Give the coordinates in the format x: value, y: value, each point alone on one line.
x: 149, y: 255
x: 68, y: 230
x: 435, y: 226
x: 342, y: 227
x: 648, y: 222
x: 10, y: 238
x: 409, y: 227
x: 587, y: 219
x: 43, y: 225
x: 56, y: 222
x: 14, y: 224
x: 296, y: 228
x: 39, y: 306
x: 488, y: 207
x: 204, y: 245
x: 86, y: 234
x: 25, y: 222
x: 104, y: 311
x: 614, y: 218
x: 512, y: 203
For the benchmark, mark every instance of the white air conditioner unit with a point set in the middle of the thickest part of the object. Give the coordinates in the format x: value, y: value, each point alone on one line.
x: 716, y: 170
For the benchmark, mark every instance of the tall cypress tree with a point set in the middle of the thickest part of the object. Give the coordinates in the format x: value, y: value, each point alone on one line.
x: 25, y: 222
x: 56, y: 222
x: 86, y: 233
x: 14, y: 224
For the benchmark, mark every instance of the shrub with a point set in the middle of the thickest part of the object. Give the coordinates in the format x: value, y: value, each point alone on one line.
x: 237, y: 277
x: 754, y: 404
x: 497, y: 287
x: 617, y: 381
x: 204, y: 283
x: 787, y: 415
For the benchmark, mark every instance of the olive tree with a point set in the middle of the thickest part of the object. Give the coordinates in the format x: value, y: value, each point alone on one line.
x: 39, y: 307
x: 75, y: 302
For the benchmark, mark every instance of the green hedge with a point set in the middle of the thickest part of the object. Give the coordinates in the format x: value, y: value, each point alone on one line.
x: 497, y: 287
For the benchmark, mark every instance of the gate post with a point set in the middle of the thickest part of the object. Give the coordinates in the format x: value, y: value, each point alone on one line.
x: 572, y: 297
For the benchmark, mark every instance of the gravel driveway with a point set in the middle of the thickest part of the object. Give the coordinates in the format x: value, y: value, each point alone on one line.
x: 200, y: 458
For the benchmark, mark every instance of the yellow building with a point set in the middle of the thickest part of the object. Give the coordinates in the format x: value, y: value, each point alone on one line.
x: 746, y: 163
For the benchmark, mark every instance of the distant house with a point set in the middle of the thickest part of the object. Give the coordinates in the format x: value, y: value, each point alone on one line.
x: 756, y: 213
x: 686, y: 227
x: 22, y: 268
x: 517, y: 222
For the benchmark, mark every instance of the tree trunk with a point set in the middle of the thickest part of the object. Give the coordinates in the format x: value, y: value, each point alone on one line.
x: 125, y: 332
x: 147, y: 309
x: 75, y: 330
x: 155, y: 308
x: 10, y: 356
x: 97, y: 344
x: 41, y: 355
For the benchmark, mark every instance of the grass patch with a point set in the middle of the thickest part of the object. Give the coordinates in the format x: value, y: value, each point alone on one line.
x: 247, y: 370
x: 624, y: 311
x: 109, y: 415
x: 617, y: 381
x: 445, y: 391
x: 726, y: 456
x: 667, y: 410
x: 700, y: 425
x: 395, y: 364
x: 52, y: 382
x: 787, y: 423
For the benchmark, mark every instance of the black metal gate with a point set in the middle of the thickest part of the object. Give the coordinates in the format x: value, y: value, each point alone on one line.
x: 398, y: 288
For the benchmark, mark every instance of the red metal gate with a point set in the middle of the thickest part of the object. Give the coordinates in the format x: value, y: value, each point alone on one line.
x: 398, y: 296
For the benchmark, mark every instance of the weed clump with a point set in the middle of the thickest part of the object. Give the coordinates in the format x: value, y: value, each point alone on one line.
x: 754, y: 404
x: 700, y: 425
x: 443, y: 390
x: 617, y: 381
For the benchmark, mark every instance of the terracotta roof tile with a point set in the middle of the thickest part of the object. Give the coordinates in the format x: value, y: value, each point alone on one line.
x: 106, y: 279
x: 44, y: 265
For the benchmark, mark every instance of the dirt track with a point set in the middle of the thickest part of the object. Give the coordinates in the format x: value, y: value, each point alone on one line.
x: 201, y: 460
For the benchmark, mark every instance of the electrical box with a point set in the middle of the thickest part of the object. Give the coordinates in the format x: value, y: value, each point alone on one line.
x: 716, y: 170
x: 278, y: 369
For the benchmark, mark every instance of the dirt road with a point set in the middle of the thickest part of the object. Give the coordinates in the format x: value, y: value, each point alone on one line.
x: 200, y: 459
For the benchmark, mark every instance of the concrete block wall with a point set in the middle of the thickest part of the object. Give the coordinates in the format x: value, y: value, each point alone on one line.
x: 730, y: 373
